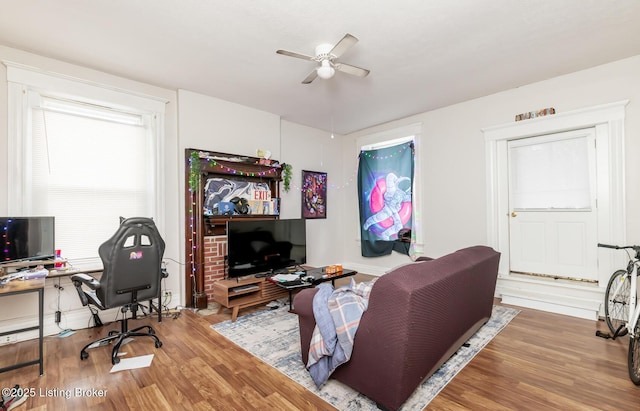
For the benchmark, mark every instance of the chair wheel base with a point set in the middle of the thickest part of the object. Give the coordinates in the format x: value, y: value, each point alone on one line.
x: 117, y: 339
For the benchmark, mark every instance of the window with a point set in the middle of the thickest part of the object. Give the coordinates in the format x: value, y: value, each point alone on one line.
x: 85, y: 158
x: 551, y: 173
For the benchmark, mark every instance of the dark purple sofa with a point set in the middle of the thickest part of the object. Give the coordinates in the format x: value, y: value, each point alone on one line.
x: 418, y: 317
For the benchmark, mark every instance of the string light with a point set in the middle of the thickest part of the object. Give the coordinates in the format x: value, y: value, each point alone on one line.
x: 230, y: 170
x: 194, y: 169
x: 353, y: 177
x: 399, y: 151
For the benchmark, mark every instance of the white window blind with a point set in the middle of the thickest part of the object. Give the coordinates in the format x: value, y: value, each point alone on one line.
x: 87, y: 171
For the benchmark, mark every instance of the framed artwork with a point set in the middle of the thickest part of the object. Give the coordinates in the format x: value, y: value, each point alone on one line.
x: 314, y: 194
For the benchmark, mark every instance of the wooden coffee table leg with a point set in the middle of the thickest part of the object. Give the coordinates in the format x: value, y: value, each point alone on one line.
x: 234, y: 313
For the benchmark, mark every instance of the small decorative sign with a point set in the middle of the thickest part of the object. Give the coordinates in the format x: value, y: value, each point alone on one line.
x: 533, y: 114
x: 260, y: 195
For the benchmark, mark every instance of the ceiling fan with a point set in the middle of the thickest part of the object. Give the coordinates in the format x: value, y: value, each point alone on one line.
x: 326, y: 55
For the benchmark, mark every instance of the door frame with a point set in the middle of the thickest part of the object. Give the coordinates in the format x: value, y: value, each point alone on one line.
x: 543, y: 257
x: 608, y: 122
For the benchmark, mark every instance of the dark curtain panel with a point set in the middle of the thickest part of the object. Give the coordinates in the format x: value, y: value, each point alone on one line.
x: 385, y: 180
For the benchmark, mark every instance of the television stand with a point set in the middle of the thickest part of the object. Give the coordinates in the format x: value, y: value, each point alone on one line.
x: 236, y: 294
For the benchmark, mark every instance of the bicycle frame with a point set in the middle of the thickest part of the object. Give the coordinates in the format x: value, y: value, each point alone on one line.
x: 632, y: 271
x: 618, y: 298
x: 634, y: 310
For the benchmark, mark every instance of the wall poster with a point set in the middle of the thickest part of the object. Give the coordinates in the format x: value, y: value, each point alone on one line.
x: 314, y: 194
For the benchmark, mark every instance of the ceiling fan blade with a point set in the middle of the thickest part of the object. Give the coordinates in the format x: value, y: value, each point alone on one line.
x: 296, y: 55
x: 349, y: 69
x: 312, y: 76
x: 343, y: 45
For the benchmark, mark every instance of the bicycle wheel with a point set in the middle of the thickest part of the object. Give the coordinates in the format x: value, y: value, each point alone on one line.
x: 616, y: 298
x: 634, y: 356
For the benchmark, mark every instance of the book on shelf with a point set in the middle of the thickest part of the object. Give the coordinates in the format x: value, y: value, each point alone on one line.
x: 263, y: 207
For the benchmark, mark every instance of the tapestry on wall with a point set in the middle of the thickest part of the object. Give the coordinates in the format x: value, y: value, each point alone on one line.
x: 385, y: 180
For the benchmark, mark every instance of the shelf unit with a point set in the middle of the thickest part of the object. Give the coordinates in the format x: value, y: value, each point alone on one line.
x: 233, y: 295
x: 215, y: 164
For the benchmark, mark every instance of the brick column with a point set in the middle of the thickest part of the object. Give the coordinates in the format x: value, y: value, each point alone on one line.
x: 215, y: 248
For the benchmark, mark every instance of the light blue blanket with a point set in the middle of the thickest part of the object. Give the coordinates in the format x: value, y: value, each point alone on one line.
x: 337, y: 314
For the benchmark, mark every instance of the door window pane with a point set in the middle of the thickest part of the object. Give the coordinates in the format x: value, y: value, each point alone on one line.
x: 550, y: 175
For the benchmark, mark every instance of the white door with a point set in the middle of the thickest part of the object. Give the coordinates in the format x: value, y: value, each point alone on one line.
x: 553, y: 219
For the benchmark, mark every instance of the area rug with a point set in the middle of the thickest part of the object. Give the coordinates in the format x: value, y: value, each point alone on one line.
x: 272, y: 336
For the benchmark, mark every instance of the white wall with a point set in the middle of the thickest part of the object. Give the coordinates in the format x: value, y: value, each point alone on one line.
x: 17, y: 310
x: 453, y: 161
x: 311, y: 149
x: 208, y: 123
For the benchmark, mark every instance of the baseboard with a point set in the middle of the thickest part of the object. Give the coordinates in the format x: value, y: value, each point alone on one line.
x: 575, y: 300
x: 587, y: 314
x: 76, y: 319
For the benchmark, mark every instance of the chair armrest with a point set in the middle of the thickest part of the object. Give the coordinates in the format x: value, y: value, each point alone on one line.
x: 85, y: 279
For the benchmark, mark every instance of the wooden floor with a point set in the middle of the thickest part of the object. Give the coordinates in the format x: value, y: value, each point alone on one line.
x: 540, y: 361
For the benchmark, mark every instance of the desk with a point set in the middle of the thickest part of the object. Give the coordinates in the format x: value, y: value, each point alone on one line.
x: 68, y: 272
x: 22, y: 287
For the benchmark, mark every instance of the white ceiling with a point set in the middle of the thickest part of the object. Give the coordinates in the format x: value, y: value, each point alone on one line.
x: 423, y: 54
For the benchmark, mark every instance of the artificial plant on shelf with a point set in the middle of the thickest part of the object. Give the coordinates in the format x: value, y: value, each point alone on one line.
x: 286, y: 175
x: 194, y: 171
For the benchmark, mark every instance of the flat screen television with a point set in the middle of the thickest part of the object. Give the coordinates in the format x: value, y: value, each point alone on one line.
x: 260, y: 246
x: 27, y: 238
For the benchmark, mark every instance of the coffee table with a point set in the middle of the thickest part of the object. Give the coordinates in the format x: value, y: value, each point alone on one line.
x: 319, y: 276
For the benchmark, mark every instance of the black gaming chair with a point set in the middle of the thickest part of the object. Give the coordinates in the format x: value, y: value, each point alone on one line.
x: 132, y: 260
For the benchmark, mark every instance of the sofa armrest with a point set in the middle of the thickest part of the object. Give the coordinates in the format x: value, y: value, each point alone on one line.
x: 303, y: 306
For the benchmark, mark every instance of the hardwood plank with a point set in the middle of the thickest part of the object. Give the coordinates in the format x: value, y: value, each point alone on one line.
x: 545, y: 361
x: 149, y: 395
x: 539, y: 361
x: 195, y: 369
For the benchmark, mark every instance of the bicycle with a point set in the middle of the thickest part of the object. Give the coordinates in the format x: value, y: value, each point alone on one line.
x: 620, y: 309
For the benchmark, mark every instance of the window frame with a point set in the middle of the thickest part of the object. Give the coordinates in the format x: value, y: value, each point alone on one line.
x: 28, y: 87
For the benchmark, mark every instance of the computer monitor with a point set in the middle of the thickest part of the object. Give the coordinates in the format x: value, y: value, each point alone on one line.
x: 27, y: 238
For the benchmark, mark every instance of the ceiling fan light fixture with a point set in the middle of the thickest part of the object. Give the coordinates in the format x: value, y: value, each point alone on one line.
x: 325, y: 57
x: 326, y: 71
